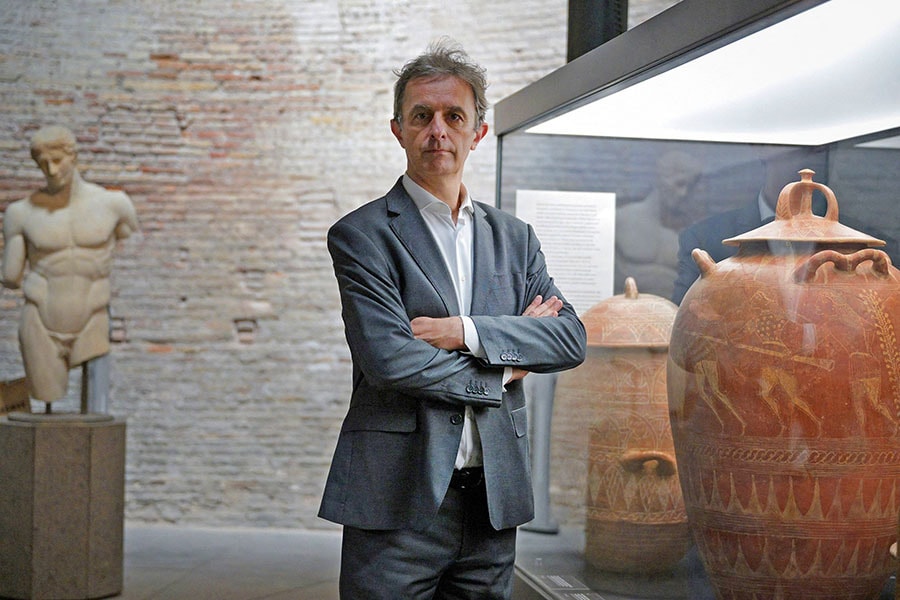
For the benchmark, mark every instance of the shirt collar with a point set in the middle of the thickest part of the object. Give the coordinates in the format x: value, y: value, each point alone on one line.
x: 425, y: 200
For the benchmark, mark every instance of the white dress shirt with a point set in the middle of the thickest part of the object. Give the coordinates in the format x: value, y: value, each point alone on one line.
x: 455, y: 241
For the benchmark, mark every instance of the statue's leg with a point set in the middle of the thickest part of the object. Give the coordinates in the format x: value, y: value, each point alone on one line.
x: 45, y: 359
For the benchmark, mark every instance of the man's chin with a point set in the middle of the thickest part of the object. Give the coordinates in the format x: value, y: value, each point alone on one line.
x: 441, y: 160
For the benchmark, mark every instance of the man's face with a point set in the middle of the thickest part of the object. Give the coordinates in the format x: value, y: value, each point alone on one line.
x: 57, y: 164
x: 438, y: 127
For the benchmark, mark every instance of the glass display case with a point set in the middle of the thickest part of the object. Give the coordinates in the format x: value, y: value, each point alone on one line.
x: 678, y: 134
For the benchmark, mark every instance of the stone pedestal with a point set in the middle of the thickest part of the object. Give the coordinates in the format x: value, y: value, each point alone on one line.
x: 62, y: 498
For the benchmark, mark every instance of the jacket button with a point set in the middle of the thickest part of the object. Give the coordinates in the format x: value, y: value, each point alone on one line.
x: 456, y: 419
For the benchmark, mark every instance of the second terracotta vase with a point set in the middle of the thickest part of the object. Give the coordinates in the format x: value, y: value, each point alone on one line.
x: 635, y: 521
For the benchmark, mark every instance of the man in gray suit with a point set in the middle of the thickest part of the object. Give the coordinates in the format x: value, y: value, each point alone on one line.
x: 447, y: 305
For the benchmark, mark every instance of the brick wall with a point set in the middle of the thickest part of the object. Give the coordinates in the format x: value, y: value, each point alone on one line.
x: 240, y: 130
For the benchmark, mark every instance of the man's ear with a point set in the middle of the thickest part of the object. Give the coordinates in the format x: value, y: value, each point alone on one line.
x: 480, y: 132
x: 398, y: 133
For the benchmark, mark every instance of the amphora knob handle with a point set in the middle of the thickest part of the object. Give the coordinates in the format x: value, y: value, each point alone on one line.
x: 795, y: 198
x: 649, y: 462
x: 704, y: 261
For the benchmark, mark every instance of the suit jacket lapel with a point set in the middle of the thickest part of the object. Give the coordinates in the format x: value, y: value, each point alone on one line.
x: 409, y: 227
x: 483, y: 269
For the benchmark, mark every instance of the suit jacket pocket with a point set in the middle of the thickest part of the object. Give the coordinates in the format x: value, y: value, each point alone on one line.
x: 369, y: 419
x: 502, y: 296
x: 520, y: 421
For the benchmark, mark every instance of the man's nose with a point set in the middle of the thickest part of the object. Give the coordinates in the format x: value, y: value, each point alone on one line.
x: 438, y: 126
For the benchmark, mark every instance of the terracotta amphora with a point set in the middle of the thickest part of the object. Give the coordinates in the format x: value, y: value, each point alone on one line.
x: 635, y: 520
x: 784, y: 391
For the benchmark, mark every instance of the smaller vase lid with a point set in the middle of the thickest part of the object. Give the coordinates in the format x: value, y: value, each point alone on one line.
x: 630, y: 319
x: 795, y: 221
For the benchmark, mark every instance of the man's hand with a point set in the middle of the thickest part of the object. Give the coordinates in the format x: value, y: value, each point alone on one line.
x: 516, y: 374
x: 445, y: 333
x: 539, y: 308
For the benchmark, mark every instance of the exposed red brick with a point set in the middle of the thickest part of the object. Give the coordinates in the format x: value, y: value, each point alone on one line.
x: 160, y: 348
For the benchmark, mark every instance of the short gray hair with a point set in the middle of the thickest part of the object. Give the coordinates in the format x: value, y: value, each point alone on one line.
x: 443, y: 57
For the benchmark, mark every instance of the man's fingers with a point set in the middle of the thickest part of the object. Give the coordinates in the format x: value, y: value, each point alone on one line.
x: 419, y: 325
x: 539, y: 308
x: 517, y: 374
x: 531, y: 309
x: 446, y: 333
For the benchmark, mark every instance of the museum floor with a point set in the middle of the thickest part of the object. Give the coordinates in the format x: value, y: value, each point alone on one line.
x: 164, y: 562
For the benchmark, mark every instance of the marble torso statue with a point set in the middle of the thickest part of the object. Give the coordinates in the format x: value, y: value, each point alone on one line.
x: 65, y: 233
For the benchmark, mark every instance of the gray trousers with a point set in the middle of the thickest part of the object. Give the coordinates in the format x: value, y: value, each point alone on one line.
x: 460, y: 557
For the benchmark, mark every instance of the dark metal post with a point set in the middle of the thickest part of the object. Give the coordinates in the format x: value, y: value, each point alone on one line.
x: 593, y: 22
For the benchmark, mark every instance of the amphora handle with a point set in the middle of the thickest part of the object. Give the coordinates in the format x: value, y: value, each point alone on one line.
x: 704, y: 261
x: 796, y: 198
x: 881, y: 263
x: 649, y: 462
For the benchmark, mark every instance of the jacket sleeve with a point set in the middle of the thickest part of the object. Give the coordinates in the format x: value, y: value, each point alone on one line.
x: 539, y: 345
x: 378, y: 331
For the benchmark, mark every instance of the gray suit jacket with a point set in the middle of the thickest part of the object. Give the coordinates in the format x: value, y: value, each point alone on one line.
x: 398, y: 443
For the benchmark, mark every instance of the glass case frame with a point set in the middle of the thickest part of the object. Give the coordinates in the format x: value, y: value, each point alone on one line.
x: 707, y: 177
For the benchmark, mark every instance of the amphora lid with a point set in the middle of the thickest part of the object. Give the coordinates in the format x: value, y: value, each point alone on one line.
x: 795, y: 221
x: 630, y: 320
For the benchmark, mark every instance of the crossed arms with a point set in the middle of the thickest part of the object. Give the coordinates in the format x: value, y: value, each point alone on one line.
x: 447, y: 333
x: 400, y: 339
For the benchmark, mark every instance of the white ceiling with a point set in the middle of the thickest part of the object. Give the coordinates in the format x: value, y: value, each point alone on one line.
x: 827, y: 74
